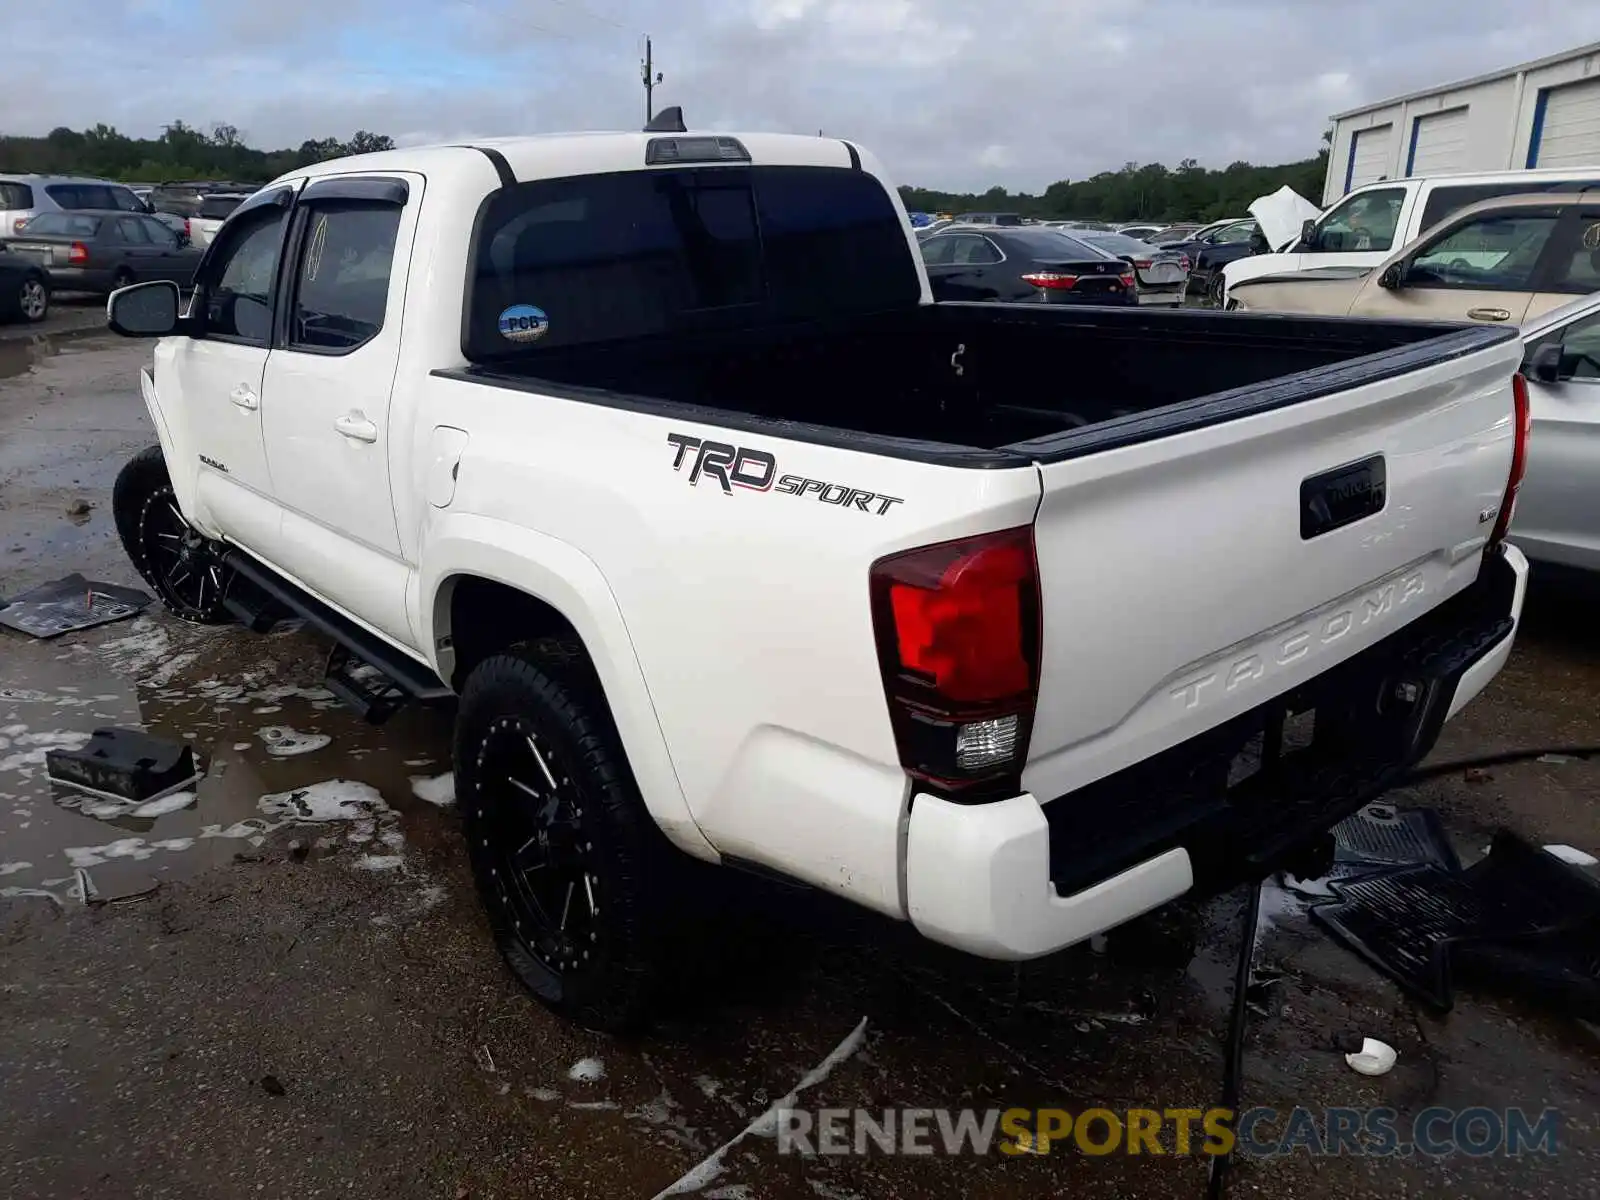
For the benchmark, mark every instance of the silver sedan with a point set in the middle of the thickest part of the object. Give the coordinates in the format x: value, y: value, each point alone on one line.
x: 1557, y: 518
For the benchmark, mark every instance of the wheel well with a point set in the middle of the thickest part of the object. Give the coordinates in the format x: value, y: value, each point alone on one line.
x: 486, y: 617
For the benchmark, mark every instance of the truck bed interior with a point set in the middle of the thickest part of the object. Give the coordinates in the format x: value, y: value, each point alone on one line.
x: 985, y: 376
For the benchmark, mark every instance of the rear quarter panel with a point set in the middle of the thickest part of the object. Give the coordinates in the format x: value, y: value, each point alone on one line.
x: 746, y: 606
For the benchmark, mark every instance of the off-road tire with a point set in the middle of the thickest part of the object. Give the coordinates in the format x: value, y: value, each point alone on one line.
x: 544, y: 693
x: 143, y: 484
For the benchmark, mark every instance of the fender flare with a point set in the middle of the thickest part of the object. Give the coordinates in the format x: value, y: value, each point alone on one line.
x: 182, y: 468
x: 460, y: 545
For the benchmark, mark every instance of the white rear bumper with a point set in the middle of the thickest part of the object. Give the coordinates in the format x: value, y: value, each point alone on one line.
x: 978, y: 875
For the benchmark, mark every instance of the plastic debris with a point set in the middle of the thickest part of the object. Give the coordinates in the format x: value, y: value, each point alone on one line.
x: 1557, y: 759
x: 1374, y: 1058
x: 124, y: 764
x: 1571, y: 854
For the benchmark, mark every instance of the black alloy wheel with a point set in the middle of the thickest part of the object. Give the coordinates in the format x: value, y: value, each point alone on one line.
x: 570, y: 866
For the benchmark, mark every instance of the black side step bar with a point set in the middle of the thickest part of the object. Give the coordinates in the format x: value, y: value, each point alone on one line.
x: 411, y: 677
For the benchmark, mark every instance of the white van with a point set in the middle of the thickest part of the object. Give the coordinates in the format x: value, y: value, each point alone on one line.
x: 1367, y: 224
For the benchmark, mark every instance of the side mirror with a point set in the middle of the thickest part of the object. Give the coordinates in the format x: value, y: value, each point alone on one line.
x: 1393, y: 277
x: 144, y: 310
x: 1545, y: 365
x: 1308, y: 229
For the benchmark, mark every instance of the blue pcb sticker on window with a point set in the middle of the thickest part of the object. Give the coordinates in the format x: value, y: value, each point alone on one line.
x: 523, y: 323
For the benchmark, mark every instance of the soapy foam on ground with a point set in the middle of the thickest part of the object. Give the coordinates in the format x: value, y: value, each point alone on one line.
x: 437, y: 789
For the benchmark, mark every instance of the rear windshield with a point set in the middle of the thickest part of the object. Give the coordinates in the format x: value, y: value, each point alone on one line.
x: 1053, y: 243
x: 217, y: 208
x: 594, y: 258
x: 15, y: 195
x: 1117, y: 243
x: 63, y: 225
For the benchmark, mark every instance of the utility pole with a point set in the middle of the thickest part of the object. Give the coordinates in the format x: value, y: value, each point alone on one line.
x: 651, y: 78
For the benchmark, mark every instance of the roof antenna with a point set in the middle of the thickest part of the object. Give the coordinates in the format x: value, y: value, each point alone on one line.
x: 668, y: 120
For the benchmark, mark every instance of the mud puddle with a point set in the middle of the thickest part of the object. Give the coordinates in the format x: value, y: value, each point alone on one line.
x: 273, y: 747
x: 19, y: 355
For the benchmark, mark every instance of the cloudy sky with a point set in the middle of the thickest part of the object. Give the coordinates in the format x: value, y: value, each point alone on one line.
x: 959, y: 94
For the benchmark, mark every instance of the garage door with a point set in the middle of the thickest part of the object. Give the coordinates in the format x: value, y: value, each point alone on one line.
x: 1567, y: 126
x: 1369, y: 155
x: 1438, y: 143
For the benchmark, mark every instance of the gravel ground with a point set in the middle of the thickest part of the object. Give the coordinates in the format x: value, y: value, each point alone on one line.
x: 317, y: 1010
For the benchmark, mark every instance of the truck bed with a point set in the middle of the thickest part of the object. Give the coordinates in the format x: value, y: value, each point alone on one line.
x: 994, y: 384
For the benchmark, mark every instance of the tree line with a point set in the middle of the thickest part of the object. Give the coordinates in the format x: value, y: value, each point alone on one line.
x: 1139, y: 192
x: 181, y: 152
x: 1148, y: 191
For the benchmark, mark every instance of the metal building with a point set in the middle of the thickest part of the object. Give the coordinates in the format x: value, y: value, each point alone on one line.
x: 1539, y: 114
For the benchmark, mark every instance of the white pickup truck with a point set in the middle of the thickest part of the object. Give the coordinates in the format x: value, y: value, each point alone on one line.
x: 1014, y: 621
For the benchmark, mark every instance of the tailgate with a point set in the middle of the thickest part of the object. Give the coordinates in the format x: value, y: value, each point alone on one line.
x: 1190, y: 578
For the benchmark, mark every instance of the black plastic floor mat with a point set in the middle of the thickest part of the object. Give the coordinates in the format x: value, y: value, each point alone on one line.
x: 1381, y: 835
x: 69, y: 604
x: 1519, y: 921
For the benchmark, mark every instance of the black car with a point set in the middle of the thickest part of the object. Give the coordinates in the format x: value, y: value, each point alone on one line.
x: 1214, y: 247
x: 24, y: 289
x: 1024, y: 264
x: 103, y: 251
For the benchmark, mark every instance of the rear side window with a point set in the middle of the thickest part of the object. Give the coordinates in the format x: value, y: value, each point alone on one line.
x: 84, y: 195
x: 342, y: 282
x: 1442, y: 201
x: 594, y: 258
x: 15, y: 195
x: 62, y: 224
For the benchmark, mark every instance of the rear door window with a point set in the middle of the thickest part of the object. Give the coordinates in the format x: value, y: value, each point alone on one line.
x: 1575, y: 257
x: 342, y: 284
x: 132, y: 231
x: 640, y: 253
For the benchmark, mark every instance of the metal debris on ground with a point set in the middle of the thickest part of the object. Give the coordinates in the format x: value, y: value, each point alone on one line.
x: 71, y: 604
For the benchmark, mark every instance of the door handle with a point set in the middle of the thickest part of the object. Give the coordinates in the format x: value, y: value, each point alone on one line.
x: 245, y: 397
x: 356, y: 427
x: 1489, y: 314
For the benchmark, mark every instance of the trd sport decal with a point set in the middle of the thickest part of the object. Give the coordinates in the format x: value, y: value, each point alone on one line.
x: 756, y: 470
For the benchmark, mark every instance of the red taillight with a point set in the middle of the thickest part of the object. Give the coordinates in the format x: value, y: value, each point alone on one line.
x: 1523, y: 419
x: 957, y: 626
x: 78, y: 254
x: 16, y: 226
x: 1052, y: 281
x: 187, y: 232
x: 1144, y: 264
x: 1127, y: 280
x: 1183, y: 261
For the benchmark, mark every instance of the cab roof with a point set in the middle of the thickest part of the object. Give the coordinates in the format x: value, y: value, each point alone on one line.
x: 554, y: 155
